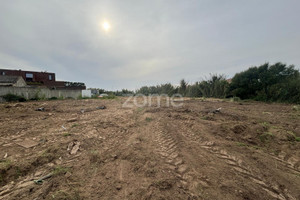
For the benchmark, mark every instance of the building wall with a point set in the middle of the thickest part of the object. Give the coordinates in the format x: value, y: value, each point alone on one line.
x: 29, y: 92
x: 86, y: 93
x: 37, y: 76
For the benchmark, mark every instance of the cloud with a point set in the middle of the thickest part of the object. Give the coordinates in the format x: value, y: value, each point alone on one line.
x: 150, y: 42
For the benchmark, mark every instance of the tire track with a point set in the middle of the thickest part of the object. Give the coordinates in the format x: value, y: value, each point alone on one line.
x: 167, y: 148
x: 288, y: 161
x: 244, y: 170
x: 240, y: 167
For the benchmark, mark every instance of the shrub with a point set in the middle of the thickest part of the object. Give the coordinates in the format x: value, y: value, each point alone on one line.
x: 12, y: 97
x: 53, y: 98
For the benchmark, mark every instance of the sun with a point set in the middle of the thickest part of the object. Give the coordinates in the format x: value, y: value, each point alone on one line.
x: 106, y: 26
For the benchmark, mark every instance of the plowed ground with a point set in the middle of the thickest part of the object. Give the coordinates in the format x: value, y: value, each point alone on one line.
x: 249, y: 150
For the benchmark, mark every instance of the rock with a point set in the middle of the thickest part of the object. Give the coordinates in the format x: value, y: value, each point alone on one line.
x: 217, y: 110
x: 101, y: 107
x: 5, y: 156
x: 40, y: 109
x: 73, y: 147
x: 72, y: 120
x: 118, y: 186
x: 27, y: 143
x: 70, y: 146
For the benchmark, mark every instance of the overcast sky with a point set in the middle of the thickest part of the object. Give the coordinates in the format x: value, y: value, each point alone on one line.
x: 150, y: 41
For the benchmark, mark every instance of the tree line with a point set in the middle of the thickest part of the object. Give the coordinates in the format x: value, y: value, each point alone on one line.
x: 276, y: 83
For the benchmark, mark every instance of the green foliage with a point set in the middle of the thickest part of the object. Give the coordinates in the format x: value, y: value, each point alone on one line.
x: 53, y: 98
x: 296, y: 108
x: 216, y: 86
x: 110, y: 96
x: 167, y: 88
x: 12, y: 97
x: 149, y: 119
x: 277, y: 82
x: 292, y: 136
x: 235, y: 99
x: 59, y: 170
x: 183, y: 87
x: 266, y: 136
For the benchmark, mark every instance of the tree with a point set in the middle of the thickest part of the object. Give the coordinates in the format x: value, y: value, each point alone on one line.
x: 267, y: 83
x: 182, y: 87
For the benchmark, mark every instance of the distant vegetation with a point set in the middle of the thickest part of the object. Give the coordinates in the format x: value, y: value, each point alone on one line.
x: 271, y: 83
x: 12, y: 98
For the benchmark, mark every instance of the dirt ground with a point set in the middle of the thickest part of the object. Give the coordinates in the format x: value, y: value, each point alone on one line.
x: 248, y: 150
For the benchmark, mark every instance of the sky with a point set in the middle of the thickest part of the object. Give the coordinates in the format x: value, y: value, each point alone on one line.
x: 149, y: 41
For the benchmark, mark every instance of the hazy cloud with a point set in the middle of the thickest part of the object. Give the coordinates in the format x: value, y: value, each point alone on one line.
x: 149, y: 42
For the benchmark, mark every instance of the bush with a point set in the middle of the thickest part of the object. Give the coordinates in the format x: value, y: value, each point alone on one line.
x: 235, y: 99
x: 53, y: 98
x: 12, y: 97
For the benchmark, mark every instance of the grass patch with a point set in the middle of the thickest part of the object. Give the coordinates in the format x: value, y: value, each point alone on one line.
x: 59, y: 170
x: 5, y: 164
x: 235, y: 99
x: 149, y: 119
x: 241, y: 144
x: 74, y: 125
x: 266, y: 136
x: 266, y: 125
x: 67, y: 134
x: 205, y: 117
x: 292, y: 137
x: 94, y: 156
x: 296, y: 108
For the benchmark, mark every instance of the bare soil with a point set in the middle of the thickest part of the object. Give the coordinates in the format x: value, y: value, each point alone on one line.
x: 248, y: 150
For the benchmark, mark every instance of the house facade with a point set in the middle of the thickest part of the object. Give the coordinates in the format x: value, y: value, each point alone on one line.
x: 43, y: 79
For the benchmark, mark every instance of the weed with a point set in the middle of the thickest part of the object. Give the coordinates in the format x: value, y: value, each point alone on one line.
x: 74, y: 125
x: 240, y: 144
x: 94, y: 156
x: 67, y: 134
x: 205, y: 117
x: 266, y: 125
x: 139, y: 109
x: 149, y: 119
x: 296, y: 108
x: 5, y: 164
x: 266, y: 136
x: 18, y: 172
x: 292, y: 137
x: 59, y: 170
x: 235, y: 99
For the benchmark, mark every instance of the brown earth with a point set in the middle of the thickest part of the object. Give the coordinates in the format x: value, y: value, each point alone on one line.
x: 248, y: 150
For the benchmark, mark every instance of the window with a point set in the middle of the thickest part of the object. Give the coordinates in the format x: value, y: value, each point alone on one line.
x: 50, y: 77
x: 29, y: 77
x: 3, y: 73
